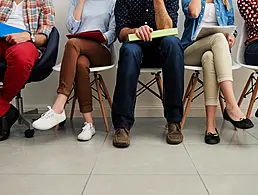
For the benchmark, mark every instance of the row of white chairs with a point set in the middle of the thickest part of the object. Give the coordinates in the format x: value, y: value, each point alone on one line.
x: 194, y: 89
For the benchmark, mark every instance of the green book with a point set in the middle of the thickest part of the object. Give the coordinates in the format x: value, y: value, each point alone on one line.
x: 156, y: 34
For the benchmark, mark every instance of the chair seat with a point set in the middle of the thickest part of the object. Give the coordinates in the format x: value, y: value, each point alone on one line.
x: 150, y: 70
x: 92, y: 70
x: 255, y: 68
x: 194, y: 68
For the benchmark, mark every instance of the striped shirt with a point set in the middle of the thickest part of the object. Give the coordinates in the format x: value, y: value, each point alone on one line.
x: 39, y: 15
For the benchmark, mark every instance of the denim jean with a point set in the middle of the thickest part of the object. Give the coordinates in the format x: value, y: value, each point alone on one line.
x: 251, y: 53
x: 166, y: 53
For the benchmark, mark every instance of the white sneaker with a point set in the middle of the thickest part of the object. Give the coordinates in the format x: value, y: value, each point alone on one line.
x: 49, y: 120
x: 88, y: 131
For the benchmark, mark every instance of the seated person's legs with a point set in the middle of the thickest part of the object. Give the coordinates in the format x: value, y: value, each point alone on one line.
x: 172, y: 59
x: 251, y: 53
x: 130, y: 60
x: 79, y: 56
x: 221, y: 60
x: 20, y: 59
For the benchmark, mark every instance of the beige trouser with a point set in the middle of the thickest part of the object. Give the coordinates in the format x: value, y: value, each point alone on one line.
x: 213, y: 54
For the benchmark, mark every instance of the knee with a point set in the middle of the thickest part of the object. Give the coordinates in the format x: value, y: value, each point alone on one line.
x: 171, y: 42
x: 220, y: 38
x: 207, y: 61
x: 72, y: 42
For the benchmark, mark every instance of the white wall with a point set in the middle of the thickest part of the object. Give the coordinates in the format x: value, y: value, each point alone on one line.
x: 42, y: 94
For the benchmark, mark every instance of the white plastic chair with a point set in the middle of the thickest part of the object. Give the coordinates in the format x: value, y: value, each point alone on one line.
x: 193, y: 91
x: 100, y: 88
x: 251, y: 86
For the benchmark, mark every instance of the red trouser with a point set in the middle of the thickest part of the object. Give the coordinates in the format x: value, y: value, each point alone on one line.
x: 20, y: 59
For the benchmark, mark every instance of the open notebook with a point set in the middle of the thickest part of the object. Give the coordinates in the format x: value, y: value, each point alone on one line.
x: 207, y: 31
x: 95, y: 35
x: 156, y: 34
x: 6, y: 30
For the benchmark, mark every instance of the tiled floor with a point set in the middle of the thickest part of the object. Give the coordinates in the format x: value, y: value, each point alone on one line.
x: 56, y: 164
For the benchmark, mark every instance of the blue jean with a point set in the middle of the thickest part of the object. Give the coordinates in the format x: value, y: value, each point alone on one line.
x: 251, y: 53
x: 166, y: 53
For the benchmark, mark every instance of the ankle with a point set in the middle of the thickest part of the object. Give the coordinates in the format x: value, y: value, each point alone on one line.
x: 57, y: 110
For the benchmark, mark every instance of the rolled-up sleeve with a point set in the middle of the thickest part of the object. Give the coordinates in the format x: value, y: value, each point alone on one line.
x: 72, y: 24
x: 111, y: 33
x: 248, y: 11
x: 185, y: 7
x: 231, y: 17
x: 122, y: 16
x: 172, y: 7
x: 47, y: 18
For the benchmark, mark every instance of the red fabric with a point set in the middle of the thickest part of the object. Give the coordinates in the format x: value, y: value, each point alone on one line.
x: 20, y: 59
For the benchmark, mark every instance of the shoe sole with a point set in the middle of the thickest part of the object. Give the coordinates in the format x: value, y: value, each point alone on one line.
x: 119, y: 145
x: 81, y: 140
x: 239, y: 127
x: 174, y: 142
x: 47, y: 129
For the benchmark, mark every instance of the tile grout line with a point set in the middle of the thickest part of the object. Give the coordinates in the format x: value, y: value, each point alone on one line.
x: 84, y: 188
x: 197, y: 171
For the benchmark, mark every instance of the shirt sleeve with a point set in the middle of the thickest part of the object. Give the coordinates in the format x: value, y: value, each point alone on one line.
x: 122, y: 16
x: 111, y: 33
x: 248, y: 11
x: 231, y: 17
x: 172, y: 7
x: 72, y: 24
x: 47, y: 18
x: 185, y: 7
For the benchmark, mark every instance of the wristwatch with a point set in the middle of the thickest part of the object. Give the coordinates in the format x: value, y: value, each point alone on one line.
x: 235, y: 33
x: 32, y: 37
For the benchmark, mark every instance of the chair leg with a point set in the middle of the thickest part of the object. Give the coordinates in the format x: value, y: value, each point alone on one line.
x: 73, y: 107
x: 103, y: 110
x: 252, y: 100
x: 245, y: 89
x: 188, y: 88
x: 190, y: 98
x: 105, y: 90
x: 221, y: 102
x: 160, y: 85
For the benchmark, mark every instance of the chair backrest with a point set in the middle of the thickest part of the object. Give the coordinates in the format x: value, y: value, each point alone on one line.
x: 241, y: 47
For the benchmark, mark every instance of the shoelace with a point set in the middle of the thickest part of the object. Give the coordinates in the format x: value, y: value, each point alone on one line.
x: 48, y: 114
x: 87, y: 127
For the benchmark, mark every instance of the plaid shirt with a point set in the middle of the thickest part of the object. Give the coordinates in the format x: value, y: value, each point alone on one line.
x: 39, y: 15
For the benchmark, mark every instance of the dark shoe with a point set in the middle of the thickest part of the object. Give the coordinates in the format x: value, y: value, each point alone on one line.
x: 244, y: 123
x: 211, y: 138
x: 174, y: 135
x: 7, y: 121
x: 256, y: 113
x: 121, y: 138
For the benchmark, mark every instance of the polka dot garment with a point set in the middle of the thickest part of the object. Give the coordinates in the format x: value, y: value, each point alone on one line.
x: 249, y: 11
x: 136, y: 13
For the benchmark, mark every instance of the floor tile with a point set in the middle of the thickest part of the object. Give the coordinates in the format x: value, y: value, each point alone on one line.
x: 48, y: 159
x: 144, y: 185
x: 144, y: 160
x: 42, y: 184
x: 224, y: 159
x: 232, y: 185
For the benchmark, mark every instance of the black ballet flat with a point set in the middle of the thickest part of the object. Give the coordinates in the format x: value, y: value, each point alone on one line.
x: 244, y: 123
x: 256, y: 113
x: 211, y: 138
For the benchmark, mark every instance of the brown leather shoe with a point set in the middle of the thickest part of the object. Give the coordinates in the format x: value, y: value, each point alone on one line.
x: 174, y: 135
x: 121, y: 138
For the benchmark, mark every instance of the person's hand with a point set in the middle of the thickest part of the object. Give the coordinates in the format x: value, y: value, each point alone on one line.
x: 231, y: 40
x: 144, y: 33
x: 82, y: 1
x: 17, y: 38
x: 106, y: 40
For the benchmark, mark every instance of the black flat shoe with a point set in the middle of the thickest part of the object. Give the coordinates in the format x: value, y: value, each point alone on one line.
x: 256, y: 113
x: 211, y: 138
x: 7, y: 121
x: 244, y: 123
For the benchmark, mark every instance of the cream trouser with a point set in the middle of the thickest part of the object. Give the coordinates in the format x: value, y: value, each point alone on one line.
x: 213, y: 54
